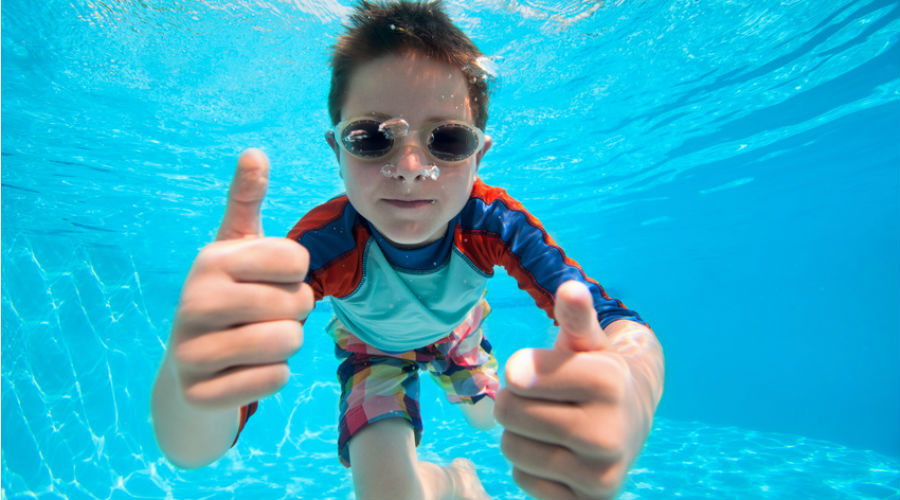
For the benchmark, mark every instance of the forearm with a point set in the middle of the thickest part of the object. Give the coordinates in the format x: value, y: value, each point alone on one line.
x: 188, y: 436
x: 640, y: 348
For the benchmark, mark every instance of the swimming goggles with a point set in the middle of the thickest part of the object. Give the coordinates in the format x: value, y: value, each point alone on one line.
x: 370, y: 138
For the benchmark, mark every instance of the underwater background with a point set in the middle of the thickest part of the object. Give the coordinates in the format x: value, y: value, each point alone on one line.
x: 729, y: 169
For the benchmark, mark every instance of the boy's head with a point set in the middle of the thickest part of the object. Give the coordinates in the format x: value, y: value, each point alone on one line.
x: 382, y: 29
x: 409, y: 103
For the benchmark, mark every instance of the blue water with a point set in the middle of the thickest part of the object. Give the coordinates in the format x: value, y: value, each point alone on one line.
x: 731, y: 170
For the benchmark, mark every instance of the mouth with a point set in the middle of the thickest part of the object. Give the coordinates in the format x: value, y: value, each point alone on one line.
x: 408, y: 203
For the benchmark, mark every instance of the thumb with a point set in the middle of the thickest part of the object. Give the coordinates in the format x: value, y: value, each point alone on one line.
x: 579, y: 329
x: 248, y: 188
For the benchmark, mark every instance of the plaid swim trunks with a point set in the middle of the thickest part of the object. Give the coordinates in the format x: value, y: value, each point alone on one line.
x: 376, y: 385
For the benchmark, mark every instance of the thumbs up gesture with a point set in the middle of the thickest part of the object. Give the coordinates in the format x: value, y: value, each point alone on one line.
x: 577, y: 415
x: 237, y: 320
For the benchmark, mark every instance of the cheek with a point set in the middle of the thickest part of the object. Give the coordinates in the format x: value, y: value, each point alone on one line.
x: 462, y: 180
x: 360, y: 178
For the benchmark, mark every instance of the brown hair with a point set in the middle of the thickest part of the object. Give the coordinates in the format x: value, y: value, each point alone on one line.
x: 377, y: 29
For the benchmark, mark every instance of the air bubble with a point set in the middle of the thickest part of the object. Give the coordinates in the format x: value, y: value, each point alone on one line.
x: 431, y: 172
x: 488, y: 66
x: 388, y: 170
x: 396, y: 127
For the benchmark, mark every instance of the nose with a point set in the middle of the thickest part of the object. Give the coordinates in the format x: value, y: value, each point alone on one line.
x: 411, y: 164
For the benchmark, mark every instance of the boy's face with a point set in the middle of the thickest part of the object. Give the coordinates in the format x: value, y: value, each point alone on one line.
x: 408, y: 208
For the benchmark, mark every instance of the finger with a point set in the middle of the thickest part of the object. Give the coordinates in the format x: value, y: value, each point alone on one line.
x: 594, y: 478
x: 563, y: 424
x: 543, y: 489
x: 263, y: 260
x: 247, y: 190
x: 579, y: 329
x: 238, y: 386
x: 252, y: 344
x: 556, y: 375
x: 238, y: 304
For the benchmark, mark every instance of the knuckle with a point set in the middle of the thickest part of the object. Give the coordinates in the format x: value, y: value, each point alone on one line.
x: 609, y: 441
x: 195, y: 396
x: 292, y: 256
x: 185, y: 356
x: 249, y: 180
x: 195, y: 310
x: 209, y: 258
x: 509, y: 446
x: 187, y: 315
x: 559, y: 458
x: 194, y: 356
x: 572, y: 437
x: 199, y: 303
x: 603, y: 481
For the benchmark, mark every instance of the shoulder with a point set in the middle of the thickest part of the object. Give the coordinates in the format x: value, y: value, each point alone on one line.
x: 491, y: 208
x: 491, y: 195
x: 329, y: 231
x: 334, y: 211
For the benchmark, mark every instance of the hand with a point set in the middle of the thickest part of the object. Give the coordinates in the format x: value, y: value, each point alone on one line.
x: 574, y: 418
x: 237, y: 321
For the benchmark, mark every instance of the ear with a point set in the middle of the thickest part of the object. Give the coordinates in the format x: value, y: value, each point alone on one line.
x: 329, y: 137
x: 488, y: 142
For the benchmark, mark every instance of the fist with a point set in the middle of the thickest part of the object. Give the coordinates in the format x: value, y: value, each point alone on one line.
x: 238, y: 318
x: 571, y: 423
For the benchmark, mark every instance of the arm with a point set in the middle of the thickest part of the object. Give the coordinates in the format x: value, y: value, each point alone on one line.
x: 575, y: 416
x: 190, y: 437
x: 498, y: 230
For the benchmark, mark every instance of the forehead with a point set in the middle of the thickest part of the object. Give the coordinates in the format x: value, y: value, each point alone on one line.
x: 409, y: 86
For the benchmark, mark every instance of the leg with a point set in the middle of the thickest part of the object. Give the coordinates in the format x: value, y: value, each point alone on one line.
x: 468, y: 371
x: 385, y: 466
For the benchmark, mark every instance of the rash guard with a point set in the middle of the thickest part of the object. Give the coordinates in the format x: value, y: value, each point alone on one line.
x: 400, y: 299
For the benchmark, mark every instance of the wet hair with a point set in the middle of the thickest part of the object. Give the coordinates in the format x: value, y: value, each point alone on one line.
x: 377, y: 29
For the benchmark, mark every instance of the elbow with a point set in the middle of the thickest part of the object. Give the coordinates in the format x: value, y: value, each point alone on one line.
x: 188, y: 463
x: 187, y: 458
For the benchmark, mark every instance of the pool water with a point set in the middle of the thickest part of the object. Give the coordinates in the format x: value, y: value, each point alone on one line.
x: 730, y: 170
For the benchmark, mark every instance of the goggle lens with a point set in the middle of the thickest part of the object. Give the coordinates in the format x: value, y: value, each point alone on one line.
x: 363, y: 138
x: 370, y: 140
x: 453, y: 142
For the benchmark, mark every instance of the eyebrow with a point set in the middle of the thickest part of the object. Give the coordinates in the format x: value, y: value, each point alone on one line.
x: 376, y: 114
x: 430, y: 119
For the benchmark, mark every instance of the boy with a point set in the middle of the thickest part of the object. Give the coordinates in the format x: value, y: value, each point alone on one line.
x: 404, y: 256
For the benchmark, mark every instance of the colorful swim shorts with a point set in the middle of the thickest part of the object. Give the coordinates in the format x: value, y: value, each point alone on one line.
x: 376, y: 385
